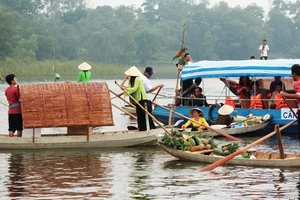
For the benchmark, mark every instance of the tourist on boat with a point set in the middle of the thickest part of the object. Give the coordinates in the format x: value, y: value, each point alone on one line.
x: 198, y: 116
x: 198, y: 99
x: 147, y: 84
x: 273, y: 84
x: 276, y: 100
x: 256, y: 96
x: 191, y: 89
x: 296, y: 77
x: 224, y: 115
x: 137, y: 91
x: 264, y: 50
x: 15, y: 121
x: 243, y: 90
x: 85, y: 73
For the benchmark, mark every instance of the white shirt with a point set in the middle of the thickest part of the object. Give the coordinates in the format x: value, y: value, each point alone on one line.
x: 265, y: 51
x: 147, y: 84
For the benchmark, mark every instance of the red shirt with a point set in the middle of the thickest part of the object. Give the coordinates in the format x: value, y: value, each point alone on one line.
x: 13, y: 95
x: 297, y: 88
x: 244, y: 94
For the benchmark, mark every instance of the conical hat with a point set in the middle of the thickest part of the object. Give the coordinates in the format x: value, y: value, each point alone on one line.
x: 225, y: 110
x: 84, y: 66
x: 198, y: 109
x: 133, y: 71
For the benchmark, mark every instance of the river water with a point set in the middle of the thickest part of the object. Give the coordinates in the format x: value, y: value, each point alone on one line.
x: 138, y: 173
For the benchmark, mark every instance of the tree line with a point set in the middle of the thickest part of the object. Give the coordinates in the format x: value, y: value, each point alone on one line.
x: 35, y: 29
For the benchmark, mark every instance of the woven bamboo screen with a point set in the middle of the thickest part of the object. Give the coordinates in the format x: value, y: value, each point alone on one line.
x: 65, y: 104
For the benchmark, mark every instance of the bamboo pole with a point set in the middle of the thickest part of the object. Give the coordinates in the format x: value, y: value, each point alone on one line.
x: 122, y: 99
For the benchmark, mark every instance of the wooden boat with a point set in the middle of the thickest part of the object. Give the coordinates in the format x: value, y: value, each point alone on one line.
x: 262, y: 159
x: 126, y: 138
x: 239, y: 129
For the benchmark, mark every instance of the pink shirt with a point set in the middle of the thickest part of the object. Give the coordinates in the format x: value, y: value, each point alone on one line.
x: 13, y: 95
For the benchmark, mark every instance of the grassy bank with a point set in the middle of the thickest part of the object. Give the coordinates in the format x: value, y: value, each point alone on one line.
x: 43, y: 70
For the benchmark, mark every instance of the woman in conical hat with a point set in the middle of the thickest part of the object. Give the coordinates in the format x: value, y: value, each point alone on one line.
x: 85, y: 73
x: 137, y: 91
x: 224, y: 115
x: 198, y: 116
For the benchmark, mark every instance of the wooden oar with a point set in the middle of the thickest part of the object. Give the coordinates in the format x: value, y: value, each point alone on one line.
x: 208, y: 127
x: 156, y: 95
x: 242, y: 150
x: 117, y: 95
x: 280, y: 143
x: 247, y: 118
x: 125, y: 111
x: 122, y: 99
x: 142, y: 107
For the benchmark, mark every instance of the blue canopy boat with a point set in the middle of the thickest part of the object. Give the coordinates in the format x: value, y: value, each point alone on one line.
x: 228, y: 69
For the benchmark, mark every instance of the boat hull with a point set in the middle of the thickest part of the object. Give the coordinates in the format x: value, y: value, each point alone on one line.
x: 96, y: 140
x: 281, y: 117
x: 292, y: 160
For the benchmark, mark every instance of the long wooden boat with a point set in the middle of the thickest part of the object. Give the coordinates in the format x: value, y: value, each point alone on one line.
x: 240, y: 130
x: 126, y: 138
x: 262, y: 159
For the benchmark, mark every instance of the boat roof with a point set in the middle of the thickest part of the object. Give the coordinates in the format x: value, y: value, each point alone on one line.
x: 237, y: 68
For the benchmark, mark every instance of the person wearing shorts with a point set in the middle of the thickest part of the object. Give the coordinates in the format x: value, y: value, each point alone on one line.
x: 12, y: 94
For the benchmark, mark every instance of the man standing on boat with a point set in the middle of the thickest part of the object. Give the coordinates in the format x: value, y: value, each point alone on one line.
x: 147, y: 84
x: 264, y: 50
x: 12, y: 94
x: 296, y: 78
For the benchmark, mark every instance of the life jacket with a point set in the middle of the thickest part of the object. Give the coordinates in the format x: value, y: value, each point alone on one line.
x: 256, y: 102
x: 280, y: 103
x: 229, y: 101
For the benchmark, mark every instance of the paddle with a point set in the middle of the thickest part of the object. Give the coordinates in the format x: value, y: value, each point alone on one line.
x: 208, y: 127
x: 156, y: 95
x: 287, y: 103
x: 242, y: 150
x: 247, y: 118
x: 122, y: 99
x: 142, y: 107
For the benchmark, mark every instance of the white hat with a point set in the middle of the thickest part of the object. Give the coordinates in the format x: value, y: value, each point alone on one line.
x: 225, y: 110
x: 198, y: 109
x: 84, y: 66
x: 133, y: 71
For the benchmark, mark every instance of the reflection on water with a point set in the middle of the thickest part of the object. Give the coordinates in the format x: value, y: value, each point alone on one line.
x: 138, y: 173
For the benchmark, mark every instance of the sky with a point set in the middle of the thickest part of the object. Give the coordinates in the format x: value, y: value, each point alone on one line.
x: 138, y: 3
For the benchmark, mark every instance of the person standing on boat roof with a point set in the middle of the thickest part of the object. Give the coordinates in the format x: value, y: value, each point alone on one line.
x: 12, y: 93
x: 296, y: 77
x: 252, y: 58
x: 198, y: 116
x: 147, y: 84
x: 137, y: 91
x: 264, y: 50
x: 85, y: 73
x: 243, y: 90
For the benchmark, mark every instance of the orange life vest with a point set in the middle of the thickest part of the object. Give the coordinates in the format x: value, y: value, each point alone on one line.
x: 256, y: 102
x: 229, y: 101
x: 280, y: 103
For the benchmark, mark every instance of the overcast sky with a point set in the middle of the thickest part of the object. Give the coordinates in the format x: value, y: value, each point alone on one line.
x: 137, y: 3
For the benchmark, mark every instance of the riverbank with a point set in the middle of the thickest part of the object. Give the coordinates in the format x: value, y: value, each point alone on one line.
x: 44, y: 70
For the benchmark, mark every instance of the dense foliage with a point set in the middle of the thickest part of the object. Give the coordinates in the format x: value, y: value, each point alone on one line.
x: 32, y: 29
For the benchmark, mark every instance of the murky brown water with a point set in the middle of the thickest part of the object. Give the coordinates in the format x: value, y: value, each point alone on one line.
x: 137, y: 173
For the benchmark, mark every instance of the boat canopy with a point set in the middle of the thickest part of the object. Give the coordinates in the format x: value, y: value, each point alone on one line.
x: 237, y: 68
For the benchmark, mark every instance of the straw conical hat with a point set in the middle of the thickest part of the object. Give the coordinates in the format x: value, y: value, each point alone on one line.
x: 225, y: 110
x: 198, y: 109
x: 133, y: 71
x: 84, y: 66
